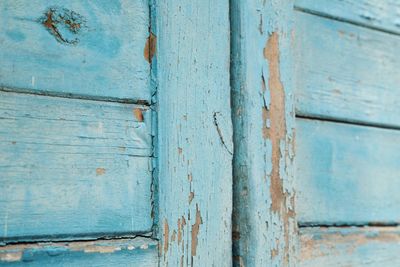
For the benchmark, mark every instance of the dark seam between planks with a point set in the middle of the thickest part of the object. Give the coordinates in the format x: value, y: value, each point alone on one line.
x: 350, y: 122
x: 73, y: 238
x: 71, y: 241
x: 349, y: 21
x: 154, y: 201
x: 76, y: 96
x: 347, y: 224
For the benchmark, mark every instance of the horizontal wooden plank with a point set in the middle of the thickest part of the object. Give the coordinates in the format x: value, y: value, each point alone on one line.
x: 368, y: 246
x: 93, y: 48
x: 347, y: 174
x: 346, y: 72
x: 125, y: 252
x: 73, y: 166
x: 377, y: 14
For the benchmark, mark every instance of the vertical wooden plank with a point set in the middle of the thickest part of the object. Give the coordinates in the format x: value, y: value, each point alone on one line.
x: 264, y: 224
x: 195, y: 135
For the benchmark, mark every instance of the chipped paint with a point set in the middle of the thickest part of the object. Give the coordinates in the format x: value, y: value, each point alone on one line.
x: 144, y: 246
x: 348, y: 244
x: 150, y: 47
x: 56, y: 19
x: 277, y: 134
x: 191, y: 196
x: 195, y: 231
x: 274, y: 252
x: 166, y: 236
x: 173, y: 236
x: 263, y: 172
x: 11, y: 256
x: 138, y: 113
x: 17, y: 252
x: 101, y: 249
x: 100, y: 171
x: 181, y: 224
x: 276, y: 114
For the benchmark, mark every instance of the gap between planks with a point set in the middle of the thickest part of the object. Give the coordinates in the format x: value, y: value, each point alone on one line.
x: 349, y: 225
x: 350, y: 122
x: 349, y: 21
x: 141, y: 102
x: 87, y: 237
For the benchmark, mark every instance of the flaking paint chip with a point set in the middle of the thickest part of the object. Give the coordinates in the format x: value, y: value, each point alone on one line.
x: 138, y: 112
x: 150, y: 47
x: 100, y: 171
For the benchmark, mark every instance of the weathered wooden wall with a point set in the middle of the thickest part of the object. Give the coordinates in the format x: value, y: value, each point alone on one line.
x: 101, y: 140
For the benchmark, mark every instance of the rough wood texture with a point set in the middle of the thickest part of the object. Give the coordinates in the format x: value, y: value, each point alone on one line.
x: 346, y: 72
x: 347, y: 174
x: 195, y: 135
x: 264, y: 223
x: 383, y: 15
x: 89, y: 48
x: 73, y: 167
x: 141, y: 252
x: 331, y: 247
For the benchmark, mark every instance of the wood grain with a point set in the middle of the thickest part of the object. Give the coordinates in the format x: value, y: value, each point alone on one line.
x: 141, y: 252
x: 347, y: 174
x: 195, y: 133
x: 382, y: 15
x: 346, y: 72
x: 365, y: 246
x: 88, y: 48
x: 264, y: 223
x: 72, y: 167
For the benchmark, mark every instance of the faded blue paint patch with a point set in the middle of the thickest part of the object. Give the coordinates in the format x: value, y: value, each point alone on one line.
x: 16, y: 35
x: 108, y: 45
x: 109, y: 6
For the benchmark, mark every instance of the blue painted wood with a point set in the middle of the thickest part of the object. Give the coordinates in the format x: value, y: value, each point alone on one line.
x: 89, y: 48
x: 195, y: 133
x: 71, y: 167
x: 331, y: 247
x: 382, y: 15
x: 347, y: 174
x: 346, y: 72
x: 141, y: 252
x: 264, y: 223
